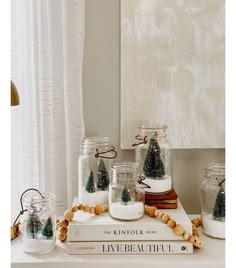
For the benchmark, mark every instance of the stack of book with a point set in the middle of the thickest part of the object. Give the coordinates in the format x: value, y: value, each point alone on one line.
x: 91, y: 234
x: 167, y: 200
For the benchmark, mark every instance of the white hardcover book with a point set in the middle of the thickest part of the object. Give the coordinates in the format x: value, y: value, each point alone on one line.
x: 128, y: 247
x: 89, y: 227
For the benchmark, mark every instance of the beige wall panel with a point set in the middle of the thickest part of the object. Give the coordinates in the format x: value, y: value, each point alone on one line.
x: 172, y: 70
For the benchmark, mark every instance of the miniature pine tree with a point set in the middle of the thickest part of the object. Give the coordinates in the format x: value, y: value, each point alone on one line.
x: 103, y: 177
x: 33, y: 225
x: 48, y: 229
x: 153, y: 166
x: 90, y: 187
x: 125, y: 196
x: 219, y: 207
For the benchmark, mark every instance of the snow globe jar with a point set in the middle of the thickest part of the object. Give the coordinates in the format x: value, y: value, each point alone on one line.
x: 213, y: 201
x: 152, y: 152
x: 94, y: 167
x: 39, y: 222
x: 126, y: 194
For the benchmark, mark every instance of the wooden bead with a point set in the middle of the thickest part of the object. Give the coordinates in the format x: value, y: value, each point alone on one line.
x: 74, y: 209
x: 68, y: 215
x: 103, y: 208
x: 91, y: 210
x: 171, y: 223
x: 98, y: 210
x: 197, y: 243
x: 191, y: 239
x: 63, y: 230
x: 62, y: 237
x: 160, y: 214
x: 80, y: 207
x: 186, y: 236
x: 196, y: 222
x: 86, y: 208
x: 15, y: 230
x: 151, y: 211
x: 146, y: 209
x: 156, y: 213
x: 165, y: 218
x: 178, y: 230
x: 64, y: 223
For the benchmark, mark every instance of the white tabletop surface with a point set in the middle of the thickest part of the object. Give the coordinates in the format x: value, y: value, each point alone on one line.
x: 211, y: 255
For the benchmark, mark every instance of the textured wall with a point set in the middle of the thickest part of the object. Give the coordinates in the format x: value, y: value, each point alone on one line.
x: 101, y: 100
x: 172, y: 70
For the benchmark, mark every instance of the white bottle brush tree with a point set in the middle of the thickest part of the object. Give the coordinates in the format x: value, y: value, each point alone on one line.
x: 103, y: 177
x: 153, y: 166
x: 219, y: 207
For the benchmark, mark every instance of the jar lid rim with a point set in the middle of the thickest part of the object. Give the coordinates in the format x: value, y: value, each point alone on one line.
x: 96, y: 139
x: 124, y: 165
x: 213, y: 166
x: 36, y: 198
x: 92, y: 142
x: 153, y: 126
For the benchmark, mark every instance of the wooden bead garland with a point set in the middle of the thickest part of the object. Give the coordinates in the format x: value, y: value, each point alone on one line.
x: 152, y: 211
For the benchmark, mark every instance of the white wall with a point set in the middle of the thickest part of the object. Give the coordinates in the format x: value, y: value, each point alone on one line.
x: 101, y: 95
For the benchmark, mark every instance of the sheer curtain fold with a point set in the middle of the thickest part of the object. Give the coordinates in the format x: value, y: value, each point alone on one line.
x: 47, y: 59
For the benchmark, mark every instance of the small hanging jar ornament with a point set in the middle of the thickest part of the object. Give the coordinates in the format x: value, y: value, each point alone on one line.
x: 126, y: 194
x: 213, y: 201
x: 94, y: 166
x: 38, y: 221
x: 15, y: 228
x: 152, y: 152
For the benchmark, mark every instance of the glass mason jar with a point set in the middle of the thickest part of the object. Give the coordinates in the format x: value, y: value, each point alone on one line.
x: 152, y: 152
x: 126, y: 194
x: 94, y: 167
x: 38, y: 233
x: 213, y: 201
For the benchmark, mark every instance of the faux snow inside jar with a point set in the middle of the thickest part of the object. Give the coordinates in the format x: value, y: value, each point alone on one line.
x: 152, y: 152
x: 126, y: 194
x: 94, y: 167
x: 39, y: 222
x: 213, y: 201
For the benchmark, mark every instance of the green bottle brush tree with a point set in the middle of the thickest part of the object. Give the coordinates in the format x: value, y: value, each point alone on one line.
x: 125, y: 195
x: 103, y: 177
x: 90, y: 186
x: 219, y: 207
x: 153, y: 166
x: 48, y: 229
x: 33, y: 225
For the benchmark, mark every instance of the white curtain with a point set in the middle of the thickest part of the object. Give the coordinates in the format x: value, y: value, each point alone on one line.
x: 47, y: 126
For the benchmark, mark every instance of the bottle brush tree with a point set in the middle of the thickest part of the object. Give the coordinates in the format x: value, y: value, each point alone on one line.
x: 125, y: 196
x: 48, y: 229
x: 219, y: 207
x: 90, y: 186
x: 103, y: 177
x: 153, y: 166
x: 33, y: 225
